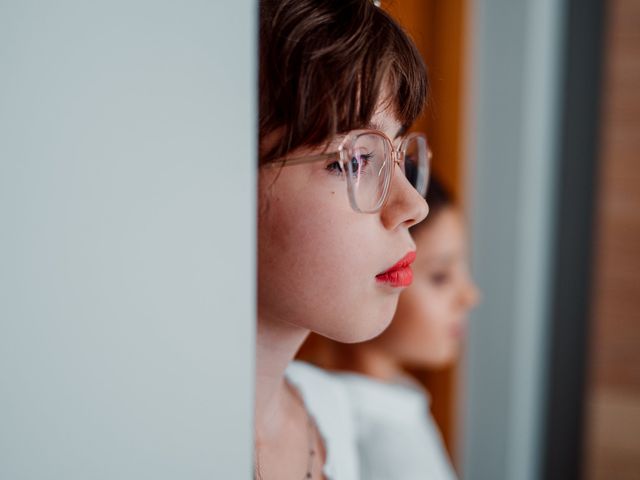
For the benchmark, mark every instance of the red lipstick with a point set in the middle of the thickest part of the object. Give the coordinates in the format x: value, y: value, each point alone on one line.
x: 400, y: 275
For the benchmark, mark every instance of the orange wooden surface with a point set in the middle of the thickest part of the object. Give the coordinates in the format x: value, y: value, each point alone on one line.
x: 612, y: 444
x: 438, y: 28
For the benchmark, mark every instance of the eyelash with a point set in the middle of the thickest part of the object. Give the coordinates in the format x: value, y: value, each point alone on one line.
x: 336, y: 168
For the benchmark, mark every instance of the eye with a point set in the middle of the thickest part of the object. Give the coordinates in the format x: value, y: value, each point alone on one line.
x: 439, y: 278
x: 335, y: 168
x: 360, y: 163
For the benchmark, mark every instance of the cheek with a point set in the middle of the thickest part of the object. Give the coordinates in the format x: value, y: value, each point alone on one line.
x: 421, y: 329
x: 315, y: 266
x: 418, y: 314
x: 308, y: 238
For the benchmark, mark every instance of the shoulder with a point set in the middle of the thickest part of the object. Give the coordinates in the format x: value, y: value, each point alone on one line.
x: 323, y: 393
x: 311, y: 375
x: 373, y: 398
x: 328, y: 403
x: 397, y: 437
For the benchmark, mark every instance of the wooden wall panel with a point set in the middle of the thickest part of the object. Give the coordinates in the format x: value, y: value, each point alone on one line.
x: 613, y: 401
x: 438, y: 28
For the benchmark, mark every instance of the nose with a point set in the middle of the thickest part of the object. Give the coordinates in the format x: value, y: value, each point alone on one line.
x: 471, y: 294
x: 405, y: 206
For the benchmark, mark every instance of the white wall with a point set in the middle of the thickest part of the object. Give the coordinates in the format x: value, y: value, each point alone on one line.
x: 127, y: 170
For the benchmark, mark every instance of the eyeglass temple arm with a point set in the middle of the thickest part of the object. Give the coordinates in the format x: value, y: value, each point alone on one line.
x: 307, y: 159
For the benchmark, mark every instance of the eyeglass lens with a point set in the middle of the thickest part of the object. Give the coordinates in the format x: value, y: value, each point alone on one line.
x: 370, y: 168
x: 415, y: 163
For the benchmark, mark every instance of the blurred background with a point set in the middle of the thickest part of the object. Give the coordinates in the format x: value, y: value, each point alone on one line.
x: 534, y: 121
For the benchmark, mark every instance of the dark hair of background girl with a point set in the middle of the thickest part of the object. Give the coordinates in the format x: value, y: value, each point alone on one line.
x: 438, y: 197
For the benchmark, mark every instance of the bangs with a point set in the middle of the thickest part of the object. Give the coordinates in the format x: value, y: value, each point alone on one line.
x: 324, y: 67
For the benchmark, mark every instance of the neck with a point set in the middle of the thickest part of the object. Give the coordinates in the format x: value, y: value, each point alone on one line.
x: 369, y: 360
x: 276, y: 345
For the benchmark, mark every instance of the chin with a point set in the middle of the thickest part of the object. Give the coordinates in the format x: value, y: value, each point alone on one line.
x: 361, y: 329
x: 444, y: 360
x: 430, y: 358
x: 441, y: 364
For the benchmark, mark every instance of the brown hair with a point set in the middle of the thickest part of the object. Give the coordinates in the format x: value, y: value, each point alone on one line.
x: 323, y: 66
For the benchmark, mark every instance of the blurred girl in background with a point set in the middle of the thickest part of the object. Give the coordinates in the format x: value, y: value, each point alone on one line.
x: 397, y: 437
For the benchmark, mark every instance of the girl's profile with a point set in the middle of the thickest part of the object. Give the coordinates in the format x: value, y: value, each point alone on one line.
x: 340, y: 184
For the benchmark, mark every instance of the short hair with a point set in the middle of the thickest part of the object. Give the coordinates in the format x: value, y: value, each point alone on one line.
x: 323, y: 67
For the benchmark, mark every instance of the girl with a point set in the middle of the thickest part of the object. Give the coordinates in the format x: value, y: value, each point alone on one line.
x: 339, y: 186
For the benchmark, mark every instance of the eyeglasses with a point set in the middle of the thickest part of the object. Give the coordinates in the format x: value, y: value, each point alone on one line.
x: 368, y: 157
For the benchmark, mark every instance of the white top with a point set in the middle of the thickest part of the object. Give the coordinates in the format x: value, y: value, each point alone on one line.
x: 397, y: 436
x: 328, y: 403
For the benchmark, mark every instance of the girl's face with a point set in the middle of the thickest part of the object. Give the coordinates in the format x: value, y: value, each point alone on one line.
x: 430, y: 322
x: 318, y: 259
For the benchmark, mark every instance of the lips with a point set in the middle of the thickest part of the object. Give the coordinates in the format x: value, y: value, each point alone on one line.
x: 400, y: 275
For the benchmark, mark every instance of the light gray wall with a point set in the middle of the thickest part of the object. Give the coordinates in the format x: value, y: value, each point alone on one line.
x: 517, y: 49
x: 127, y: 170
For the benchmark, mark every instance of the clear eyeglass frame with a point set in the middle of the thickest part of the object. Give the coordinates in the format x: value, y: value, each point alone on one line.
x: 394, y: 156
